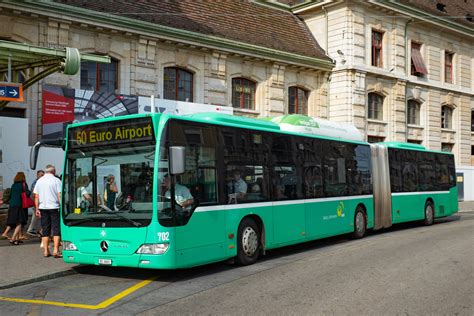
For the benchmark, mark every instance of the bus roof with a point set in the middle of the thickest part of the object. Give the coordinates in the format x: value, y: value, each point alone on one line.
x: 261, y: 124
x: 411, y: 146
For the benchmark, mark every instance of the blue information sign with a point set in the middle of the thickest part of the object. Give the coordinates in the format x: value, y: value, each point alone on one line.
x: 11, y: 92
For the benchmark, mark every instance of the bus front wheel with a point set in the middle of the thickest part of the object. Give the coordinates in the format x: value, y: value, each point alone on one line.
x: 248, y: 242
x: 360, y: 223
x: 429, y: 214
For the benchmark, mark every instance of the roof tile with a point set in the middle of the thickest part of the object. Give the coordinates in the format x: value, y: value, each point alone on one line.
x: 238, y: 20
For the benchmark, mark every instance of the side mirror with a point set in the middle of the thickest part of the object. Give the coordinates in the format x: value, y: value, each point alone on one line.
x: 177, y: 159
x: 34, y: 155
x: 58, y: 143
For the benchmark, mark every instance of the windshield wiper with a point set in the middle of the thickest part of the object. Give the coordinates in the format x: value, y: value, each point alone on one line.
x: 134, y: 223
x: 81, y: 221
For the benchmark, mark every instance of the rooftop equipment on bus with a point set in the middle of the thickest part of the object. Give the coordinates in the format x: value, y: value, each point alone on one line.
x: 298, y: 123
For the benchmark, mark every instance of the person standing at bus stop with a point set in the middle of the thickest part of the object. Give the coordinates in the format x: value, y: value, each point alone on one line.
x: 35, y: 224
x: 47, y: 196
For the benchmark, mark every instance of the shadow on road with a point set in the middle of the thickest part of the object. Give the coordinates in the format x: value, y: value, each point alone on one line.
x: 215, y: 268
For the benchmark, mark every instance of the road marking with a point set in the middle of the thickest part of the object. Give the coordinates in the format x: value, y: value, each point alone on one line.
x: 101, y: 305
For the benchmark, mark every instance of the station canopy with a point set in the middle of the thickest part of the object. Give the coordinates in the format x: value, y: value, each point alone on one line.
x: 26, y: 64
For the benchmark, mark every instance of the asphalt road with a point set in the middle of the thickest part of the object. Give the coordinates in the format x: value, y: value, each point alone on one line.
x: 407, y: 270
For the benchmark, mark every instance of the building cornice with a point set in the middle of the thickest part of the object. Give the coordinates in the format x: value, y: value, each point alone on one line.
x: 424, y: 16
x: 311, y: 5
x: 124, y: 24
x: 394, y: 6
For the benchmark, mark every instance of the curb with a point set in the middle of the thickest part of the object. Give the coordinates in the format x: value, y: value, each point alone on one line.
x: 39, y: 278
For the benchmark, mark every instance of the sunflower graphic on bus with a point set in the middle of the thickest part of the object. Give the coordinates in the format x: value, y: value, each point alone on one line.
x: 340, y: 210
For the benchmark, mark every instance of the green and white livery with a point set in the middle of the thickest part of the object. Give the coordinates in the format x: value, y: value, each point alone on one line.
x: 253, y: 185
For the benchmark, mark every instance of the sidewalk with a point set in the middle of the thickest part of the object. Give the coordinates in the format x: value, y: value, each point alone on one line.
x: 466, y: 206
x: 25, y: 264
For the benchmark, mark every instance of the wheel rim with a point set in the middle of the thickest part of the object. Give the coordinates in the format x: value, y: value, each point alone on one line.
x: 429, y: 213
x: 249, y: 241
x: 360, y: 220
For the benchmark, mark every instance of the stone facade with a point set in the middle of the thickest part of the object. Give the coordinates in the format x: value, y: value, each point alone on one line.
x: 344, y: 29
x: 143, y: 56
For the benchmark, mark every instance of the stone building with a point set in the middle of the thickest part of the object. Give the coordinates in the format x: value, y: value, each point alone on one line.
x: 404, y: 69
x: 260, y: 59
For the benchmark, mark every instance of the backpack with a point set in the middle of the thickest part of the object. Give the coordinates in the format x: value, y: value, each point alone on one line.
x: 6, y: 195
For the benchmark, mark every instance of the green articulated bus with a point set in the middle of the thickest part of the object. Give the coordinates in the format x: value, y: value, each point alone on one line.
x: 164, y: 191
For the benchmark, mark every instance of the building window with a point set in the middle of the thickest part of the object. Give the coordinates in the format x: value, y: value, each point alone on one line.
x: 178, y: 84
x: 375, y: 107
x: 413, y: 141
x: 418, y: 67
x: 297, y: 101
x: 413, y: 112
x: 472, y: 155
x: 377, y: 38
x: 446, y: 117
x: 99, y: 76
x: 448, y: 67
x: 243, y: 93
x: 375, y: 139
x: 446, y: 147
x: 472, y: 120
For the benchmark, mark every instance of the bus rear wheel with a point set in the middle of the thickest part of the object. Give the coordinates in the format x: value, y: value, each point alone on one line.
x: 429, y: 214
x: 248, y: 242
x: 360, y: 223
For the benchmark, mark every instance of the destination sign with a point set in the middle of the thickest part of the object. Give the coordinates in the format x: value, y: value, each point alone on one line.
x: 112, y: 133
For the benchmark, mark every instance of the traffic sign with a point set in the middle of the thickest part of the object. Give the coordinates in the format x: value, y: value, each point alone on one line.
x: 11, y: 91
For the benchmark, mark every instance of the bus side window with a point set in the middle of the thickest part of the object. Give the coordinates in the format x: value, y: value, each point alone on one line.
x: 443, y: 171
x: 359, y: 169
x: 427, y: 175
x: 335, y: 169
x: 285, y: 182
x: 396, y: 178
x: 410, y: 171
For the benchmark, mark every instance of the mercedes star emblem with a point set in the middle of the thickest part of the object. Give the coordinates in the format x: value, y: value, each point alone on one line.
x: 104, y: 246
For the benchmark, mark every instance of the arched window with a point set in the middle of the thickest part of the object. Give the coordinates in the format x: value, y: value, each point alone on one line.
x: 178, y: 84
x: 375, y: 106
x: 413, y: 112
x: 243, y: 93
x: 99, y: 76
x: 297, y: 101
x: 446, y: 117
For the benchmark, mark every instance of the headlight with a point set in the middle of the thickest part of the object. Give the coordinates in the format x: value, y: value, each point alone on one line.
x: 153, y: 249
x: 69, y: 246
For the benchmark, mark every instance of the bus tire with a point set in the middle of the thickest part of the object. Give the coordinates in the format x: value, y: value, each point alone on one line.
x: 360, y: 223
x: 248, y: 242
x: 429, y: 214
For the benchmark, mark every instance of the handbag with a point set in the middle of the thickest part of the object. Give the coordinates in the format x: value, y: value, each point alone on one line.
x: 26, y: 201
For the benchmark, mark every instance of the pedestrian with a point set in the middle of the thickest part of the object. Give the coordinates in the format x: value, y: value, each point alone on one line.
x: 47, y: 196
x: 17, y: 215
x: 6, y: 200
x: 35, y: 225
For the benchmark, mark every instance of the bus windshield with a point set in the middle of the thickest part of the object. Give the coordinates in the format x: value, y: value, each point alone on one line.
x: 109, y: 186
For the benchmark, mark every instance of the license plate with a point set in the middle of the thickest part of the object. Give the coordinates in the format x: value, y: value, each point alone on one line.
x: 105, y: 261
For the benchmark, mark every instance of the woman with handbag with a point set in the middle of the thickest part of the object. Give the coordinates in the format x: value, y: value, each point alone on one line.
x: 18, y: 210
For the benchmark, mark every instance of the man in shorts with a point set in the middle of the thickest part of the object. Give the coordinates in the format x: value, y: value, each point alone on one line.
x: 47, y: 196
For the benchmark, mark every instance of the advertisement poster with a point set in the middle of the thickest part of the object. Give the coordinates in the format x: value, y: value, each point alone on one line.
x: 64, y: 105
